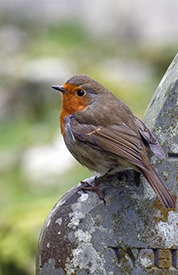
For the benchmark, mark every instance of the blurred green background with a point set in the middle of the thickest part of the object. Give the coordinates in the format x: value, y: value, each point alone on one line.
x: 125, y: 45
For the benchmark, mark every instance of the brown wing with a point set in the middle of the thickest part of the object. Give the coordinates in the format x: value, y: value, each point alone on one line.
x: 149, y: 138
x: 116, y: 139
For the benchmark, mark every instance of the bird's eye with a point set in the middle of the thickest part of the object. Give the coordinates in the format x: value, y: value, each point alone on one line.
x: 81, y: 92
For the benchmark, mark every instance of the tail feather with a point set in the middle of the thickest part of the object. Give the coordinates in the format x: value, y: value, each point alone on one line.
x: 159, y: 188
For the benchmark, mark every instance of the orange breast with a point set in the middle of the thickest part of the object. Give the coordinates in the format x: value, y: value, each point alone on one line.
x: 71, y: 103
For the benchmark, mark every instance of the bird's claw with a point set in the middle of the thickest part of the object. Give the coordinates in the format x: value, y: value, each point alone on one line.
x: 94, y: 187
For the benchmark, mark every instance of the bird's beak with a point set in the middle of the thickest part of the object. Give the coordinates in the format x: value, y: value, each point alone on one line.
x: 59, y: 88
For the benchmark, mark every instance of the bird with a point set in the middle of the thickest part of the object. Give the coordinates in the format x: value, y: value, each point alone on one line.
x: 103, y: 134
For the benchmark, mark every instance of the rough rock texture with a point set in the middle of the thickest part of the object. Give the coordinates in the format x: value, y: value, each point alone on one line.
x: 132, y: 233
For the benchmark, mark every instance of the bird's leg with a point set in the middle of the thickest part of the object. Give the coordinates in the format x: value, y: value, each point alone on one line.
x: 94, y: 187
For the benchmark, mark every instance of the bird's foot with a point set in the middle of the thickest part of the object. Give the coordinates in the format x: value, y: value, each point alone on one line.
x: 94, y: 186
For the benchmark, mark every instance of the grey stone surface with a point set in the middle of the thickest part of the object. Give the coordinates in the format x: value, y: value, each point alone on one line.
x: 132, y: 233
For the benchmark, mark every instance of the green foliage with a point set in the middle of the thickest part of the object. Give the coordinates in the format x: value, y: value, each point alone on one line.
x: 20, y: 226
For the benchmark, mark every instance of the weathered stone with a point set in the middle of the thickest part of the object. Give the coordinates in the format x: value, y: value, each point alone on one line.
x: 132, y: 233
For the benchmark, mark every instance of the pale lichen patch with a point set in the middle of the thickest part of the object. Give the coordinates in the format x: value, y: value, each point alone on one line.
x: 169, y: 230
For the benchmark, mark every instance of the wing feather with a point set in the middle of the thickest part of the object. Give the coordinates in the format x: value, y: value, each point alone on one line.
x: 118, y: 139
x: 150, y: 139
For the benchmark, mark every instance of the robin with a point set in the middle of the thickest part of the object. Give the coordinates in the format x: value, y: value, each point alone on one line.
x: 102, y: 133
